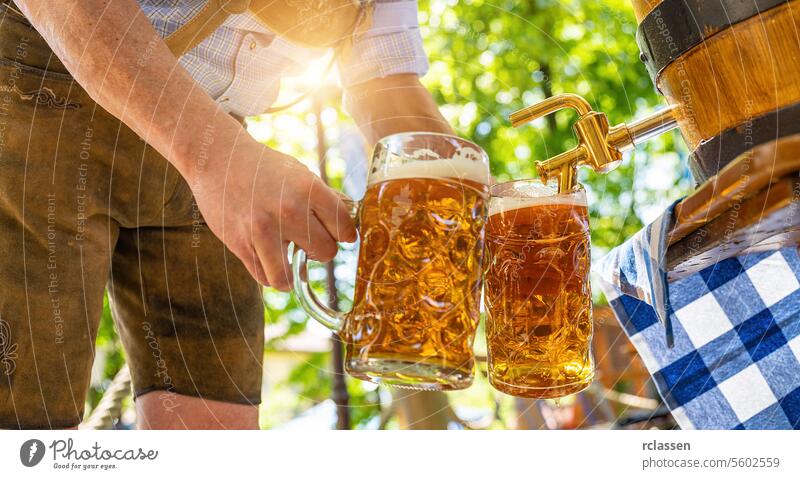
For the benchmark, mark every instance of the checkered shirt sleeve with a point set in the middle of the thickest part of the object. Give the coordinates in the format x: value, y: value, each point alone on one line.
x: 393, y: 45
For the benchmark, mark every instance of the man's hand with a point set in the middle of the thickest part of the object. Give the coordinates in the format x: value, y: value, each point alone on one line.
x: 255, y: 199
x: 258, y: 200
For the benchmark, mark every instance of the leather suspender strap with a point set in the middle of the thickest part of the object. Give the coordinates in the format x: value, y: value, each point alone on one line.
x: 285, y: 18
x: 203, y: 24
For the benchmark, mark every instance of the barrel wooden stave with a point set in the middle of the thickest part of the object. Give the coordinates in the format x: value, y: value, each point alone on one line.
x: 736, y: 75
x: 642, y: 7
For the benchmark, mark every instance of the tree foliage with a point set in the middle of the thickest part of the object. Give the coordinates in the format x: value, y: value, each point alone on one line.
x: 490, y: 58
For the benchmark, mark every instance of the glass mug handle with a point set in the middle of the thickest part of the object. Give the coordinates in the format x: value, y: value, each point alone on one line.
x: 328, y: 317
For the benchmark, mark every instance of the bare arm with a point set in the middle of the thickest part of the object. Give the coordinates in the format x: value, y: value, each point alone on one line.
x: 394, y: 104
x: 254, y: 198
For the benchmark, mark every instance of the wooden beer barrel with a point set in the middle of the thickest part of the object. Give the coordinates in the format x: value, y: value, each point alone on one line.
x: 731, y: 66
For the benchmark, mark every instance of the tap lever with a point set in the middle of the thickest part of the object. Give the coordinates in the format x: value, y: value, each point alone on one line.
x: 599, y: 146
x: 548, y: 106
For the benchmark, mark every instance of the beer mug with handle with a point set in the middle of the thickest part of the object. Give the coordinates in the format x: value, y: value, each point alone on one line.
x: 538, y: 298
x: 418, y: 281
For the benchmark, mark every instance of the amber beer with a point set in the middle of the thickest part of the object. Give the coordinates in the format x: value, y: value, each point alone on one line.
x: 416, y: 303
x: 538, y: 301
x: 417, y: 294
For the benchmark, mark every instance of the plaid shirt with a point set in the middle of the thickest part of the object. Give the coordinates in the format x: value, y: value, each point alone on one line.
x: 242, y: 63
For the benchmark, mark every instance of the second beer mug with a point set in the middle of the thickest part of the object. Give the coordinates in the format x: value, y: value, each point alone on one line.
x: 418, y: 282
x: 538, y: 301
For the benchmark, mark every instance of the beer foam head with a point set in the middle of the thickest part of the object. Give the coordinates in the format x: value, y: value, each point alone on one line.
x: 454, y: 168
x: 524, y: 194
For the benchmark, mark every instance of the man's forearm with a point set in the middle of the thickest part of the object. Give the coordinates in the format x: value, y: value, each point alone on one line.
x: 394, y: 104
x: 114, y: 53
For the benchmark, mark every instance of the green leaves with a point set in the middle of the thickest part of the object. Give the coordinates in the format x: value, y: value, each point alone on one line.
x: 491, y: 58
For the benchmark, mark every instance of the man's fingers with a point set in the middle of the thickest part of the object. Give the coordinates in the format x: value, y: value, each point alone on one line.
x: 315, y: 240
x: 332, y: 212
x: 274, y: 255
x: 250, y: 260
x: 253, y: 265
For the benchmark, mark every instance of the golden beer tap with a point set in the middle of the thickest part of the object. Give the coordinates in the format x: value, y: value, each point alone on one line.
x: 599, y: 146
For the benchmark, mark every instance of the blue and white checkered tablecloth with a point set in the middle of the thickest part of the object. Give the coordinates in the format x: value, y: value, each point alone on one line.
x: 735, y: 358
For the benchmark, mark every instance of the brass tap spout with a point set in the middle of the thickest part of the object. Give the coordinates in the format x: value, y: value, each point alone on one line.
x: 548, y: 106
x: 599, y: 146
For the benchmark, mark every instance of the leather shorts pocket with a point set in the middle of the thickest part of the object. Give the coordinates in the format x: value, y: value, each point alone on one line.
x: 31, y: 76
x: 24, y: 89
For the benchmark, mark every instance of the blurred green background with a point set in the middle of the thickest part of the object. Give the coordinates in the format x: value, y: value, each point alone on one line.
x: 487, y: 59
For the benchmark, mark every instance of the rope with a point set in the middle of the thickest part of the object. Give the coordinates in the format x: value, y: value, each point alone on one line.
x: 109, y: 409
